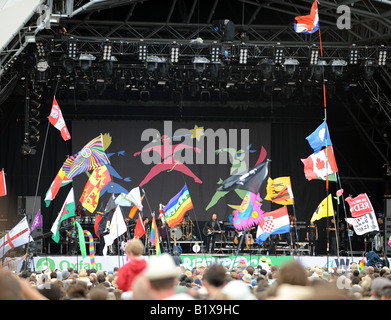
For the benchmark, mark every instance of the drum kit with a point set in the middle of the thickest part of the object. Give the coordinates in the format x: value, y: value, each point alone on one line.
x: 184, y: 230
x: 86, y: 219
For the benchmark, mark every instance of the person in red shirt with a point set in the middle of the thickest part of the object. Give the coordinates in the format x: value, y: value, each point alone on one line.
x: 136, y: 264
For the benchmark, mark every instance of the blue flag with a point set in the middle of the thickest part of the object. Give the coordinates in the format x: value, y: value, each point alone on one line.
x: 318, y: 138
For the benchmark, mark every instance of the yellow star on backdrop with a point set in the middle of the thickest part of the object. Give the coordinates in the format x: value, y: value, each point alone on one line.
x: 197, y: 132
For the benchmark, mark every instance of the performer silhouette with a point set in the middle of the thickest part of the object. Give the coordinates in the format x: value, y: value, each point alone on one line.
x: 166, y: 150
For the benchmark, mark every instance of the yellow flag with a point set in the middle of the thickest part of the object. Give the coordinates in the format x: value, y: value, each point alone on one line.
x: 279, y: 191
x: 325, y: 209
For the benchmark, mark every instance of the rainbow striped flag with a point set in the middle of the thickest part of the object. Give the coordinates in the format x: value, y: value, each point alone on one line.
x: 154, y: 237
x: 176, y: 208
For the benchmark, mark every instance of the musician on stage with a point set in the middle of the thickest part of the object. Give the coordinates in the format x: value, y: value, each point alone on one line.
x: 71, y: 236
x: 211, y: 227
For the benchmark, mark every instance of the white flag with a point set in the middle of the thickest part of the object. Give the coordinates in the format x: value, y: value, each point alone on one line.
x: 117, y: 228
x: 133, y: 198
x: 18, y: 236
x: 364, y: 224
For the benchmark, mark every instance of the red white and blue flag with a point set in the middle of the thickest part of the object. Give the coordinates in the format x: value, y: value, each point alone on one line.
x: 310, y: 23
x: 274, y: 222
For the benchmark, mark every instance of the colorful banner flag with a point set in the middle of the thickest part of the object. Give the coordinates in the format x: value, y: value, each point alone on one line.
x: 139, y: 230
x: 310, y: 23
x: 324, y: 209
x: 16, y: 237
x: 57, y: 120
x: 91, y: 247
x: 82, y: 242
x: 176, y: 208
x: 154, y: 237
x: 67, y: 211
x: 321, y: 164
x: 364, y: 223
x: 59, y: 181
x: 134, y: 209
x: 90, y: 157
x: 319, y: 138
x: 279, y: 190
x: 99, y: 178
x: 249, y: 212
x: 37, y: 222
x: 250, y: 181
x: 274, y: 222
x: 3, y: 185
x: 359, y: 205
x: 117, y: 228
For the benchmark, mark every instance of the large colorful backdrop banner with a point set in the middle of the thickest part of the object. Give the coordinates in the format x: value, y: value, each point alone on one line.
x: 162, y: 156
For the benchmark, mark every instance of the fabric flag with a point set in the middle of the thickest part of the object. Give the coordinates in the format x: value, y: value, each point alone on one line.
x: 319, y: 138
x: 67, y: 211
x: 249, y: 213
x: 362, y: 264
x: 59, y: 181
x: 16, y: 237
x: 37, y: 222
x: 250, y: 181
x: 176, y: 208
x: 98, y: 218
x: 321, y: 164
x: 130, y: 199
x: 117, y: 228
x: 99, y: 178
x: 104, y: 223
x: 274, y: 222
x: 91, y: 247
x: 279, y: 191
x: 359, y: 205
x: 82, y: 242
x: 154, y: 238
x: 139, y: 230
x: 3, y: 186
x: 90, y: 157
x: 310, y: 23
x: 134, y: 209
x: 57, y: 120
x: 324, y: 209
x: 364, y: 223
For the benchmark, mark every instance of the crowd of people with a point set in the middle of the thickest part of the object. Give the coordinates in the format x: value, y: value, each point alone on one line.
x: 162, y: 278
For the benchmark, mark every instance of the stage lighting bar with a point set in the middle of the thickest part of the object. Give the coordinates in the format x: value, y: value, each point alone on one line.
x: 142, y: 51
x: 107, y: 48
x: 174, y: 54
x: 40, y: 49
x: 353, y: 59
x: 279, y: 54
x: 243, y: 55
x: 72, y: 50
x: 314, y: 56
x: 382, y: 56
x: 215, y: 52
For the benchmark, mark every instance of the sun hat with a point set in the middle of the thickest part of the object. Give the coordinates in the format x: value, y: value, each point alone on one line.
x: 161, y: 267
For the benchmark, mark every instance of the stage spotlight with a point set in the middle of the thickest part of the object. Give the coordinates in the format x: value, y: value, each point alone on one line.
x: 266, y: 68
x: 279, y: 54
x: 215, y: 51
x: 243, y: 55
x: 200, y: 63
x: 382, y: 56
x: 40, y: 49
x: 353, y: 57
x: 34, y: 121
x: 142, y: 51
x: 290, y: 66
x: 369, y: 69
x: 337, y: 67
x: 42, y: 65
x: 72, y: 50
x: 85, y: 61
x: 107, y: 47
x: 314, y: 56
x: 25, y: 149
x: 174, y: 54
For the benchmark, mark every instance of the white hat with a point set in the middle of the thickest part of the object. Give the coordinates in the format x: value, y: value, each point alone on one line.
x: 238, y: 290
x: 247, y: 278
x: 161, y: 267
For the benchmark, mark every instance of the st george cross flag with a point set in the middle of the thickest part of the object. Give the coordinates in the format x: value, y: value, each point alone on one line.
x: 99, y: 178
x: 59, y: 181
x: 67, y: 211
x: 117, y: 228
x: 274, y: 222
x: 359, y: 205
x: 310, y: 23
x: 18, y: 236
x: 364, y: 224
x: 320, y: 165
x: 319, y: 138
x: 57, y: 120
x: 139, y: 230
x: 176, y: 208
x: 3, y: 186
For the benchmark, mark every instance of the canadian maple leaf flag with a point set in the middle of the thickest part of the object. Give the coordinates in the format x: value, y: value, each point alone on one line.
x: 320, y: 164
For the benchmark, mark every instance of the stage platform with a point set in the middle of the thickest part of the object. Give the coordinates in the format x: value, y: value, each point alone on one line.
x: 189, y: 261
